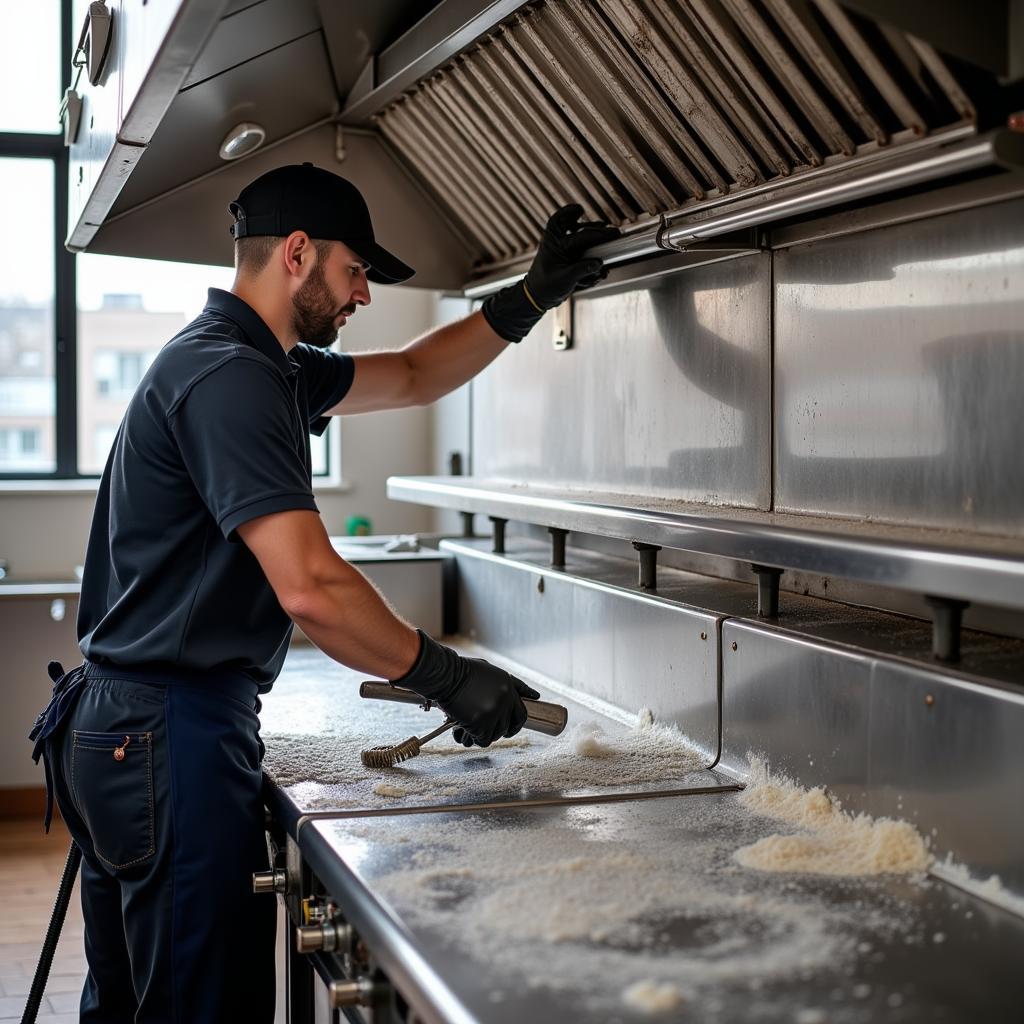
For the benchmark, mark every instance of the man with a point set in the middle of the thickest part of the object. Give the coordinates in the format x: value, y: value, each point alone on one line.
x: 206, y: 546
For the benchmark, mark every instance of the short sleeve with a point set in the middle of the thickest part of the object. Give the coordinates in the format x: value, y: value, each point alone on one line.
x: 328, y: 377
x: 238, y: 433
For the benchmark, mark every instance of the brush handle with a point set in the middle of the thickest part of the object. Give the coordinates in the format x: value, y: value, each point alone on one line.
x: 541, y: 715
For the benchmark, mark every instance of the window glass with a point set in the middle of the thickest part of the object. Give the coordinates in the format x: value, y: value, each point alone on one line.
x: 27, y: 394
x: 30, y: 68
x: 128, y: 309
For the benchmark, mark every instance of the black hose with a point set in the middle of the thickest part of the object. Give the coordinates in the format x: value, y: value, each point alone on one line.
x: 60, y: 909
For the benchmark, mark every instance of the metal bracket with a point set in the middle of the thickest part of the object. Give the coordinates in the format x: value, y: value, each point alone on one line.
x: 947, y: 613
x: 94, y: 41
x: 558, y: 546
x: 767, y: 590
x: 648, y: 564
x: 499, y: 534
x: 561, y: 332
x: 467, y: 524
x: 71, y: 115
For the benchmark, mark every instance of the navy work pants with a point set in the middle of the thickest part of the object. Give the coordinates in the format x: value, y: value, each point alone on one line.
x: 157, y: 775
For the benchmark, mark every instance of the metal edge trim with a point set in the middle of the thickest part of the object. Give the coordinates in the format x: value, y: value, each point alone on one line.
x: 918, y: 568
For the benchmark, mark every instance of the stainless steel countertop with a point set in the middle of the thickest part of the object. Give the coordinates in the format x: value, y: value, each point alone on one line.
x: 740, y: 945
x: 314, y: 723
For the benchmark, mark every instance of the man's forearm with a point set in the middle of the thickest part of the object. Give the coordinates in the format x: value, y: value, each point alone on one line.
x: 447, y: 357
x: 346, y: 617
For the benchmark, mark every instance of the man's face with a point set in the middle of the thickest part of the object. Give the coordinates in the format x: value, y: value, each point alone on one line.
x: 329, y: 296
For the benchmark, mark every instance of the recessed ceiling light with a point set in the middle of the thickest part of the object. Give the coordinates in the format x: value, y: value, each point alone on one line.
x: 242, y: 140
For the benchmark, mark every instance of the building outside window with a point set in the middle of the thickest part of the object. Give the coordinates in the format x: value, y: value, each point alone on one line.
x: 127, y: 309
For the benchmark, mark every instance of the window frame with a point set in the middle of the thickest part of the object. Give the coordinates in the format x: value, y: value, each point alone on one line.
x: 43, y: 146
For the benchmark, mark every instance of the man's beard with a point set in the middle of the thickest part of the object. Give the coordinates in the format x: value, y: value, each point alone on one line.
x: 314, y: 310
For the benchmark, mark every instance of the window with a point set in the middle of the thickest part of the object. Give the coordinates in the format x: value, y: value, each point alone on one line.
x: 30, y: 85
x: 77, y: 334
x: 27, y: 340
x: 120, y: 333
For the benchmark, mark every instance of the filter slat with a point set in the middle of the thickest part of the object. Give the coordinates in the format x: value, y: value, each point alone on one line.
x: 702, y: 61
x: 645, y: 183
x: 813, y: 51
x: 872, y: 66
x: 609, y: 55
x: 637, y: 108
x: 694, y: 105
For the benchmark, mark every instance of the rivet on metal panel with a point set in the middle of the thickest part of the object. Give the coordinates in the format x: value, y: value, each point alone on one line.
x: 499, y: 534
x: 929, y: 700
x: 734, y: 645
x: 648, y: 564
x: 703, y: 635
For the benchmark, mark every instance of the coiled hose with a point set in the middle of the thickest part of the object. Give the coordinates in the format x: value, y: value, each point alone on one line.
x: 60, y: 910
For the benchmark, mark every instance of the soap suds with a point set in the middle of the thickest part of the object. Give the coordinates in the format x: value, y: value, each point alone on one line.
x: 832, y: 841
x: 592, y: 902
x: 649, y: 996
x: 386, y: 789
x: 322, y: 772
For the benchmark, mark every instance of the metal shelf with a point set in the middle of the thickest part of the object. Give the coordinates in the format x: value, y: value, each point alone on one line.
x: 989, y: 570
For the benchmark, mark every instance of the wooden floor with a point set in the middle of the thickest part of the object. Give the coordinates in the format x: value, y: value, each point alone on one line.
x: 30, y: 867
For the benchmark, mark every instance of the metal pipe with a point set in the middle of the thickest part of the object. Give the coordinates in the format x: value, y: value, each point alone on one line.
x: 803, y: 194
x: 997, y: 148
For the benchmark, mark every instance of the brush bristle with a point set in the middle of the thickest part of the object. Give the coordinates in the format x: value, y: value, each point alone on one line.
x: 388, y: 757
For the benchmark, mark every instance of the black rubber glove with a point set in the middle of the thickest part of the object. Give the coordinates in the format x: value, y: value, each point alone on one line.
x: 557, y: 271
x: 485, y: 700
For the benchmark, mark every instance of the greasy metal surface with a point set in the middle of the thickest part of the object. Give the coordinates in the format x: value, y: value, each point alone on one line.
x: 671, y: 378
x: 628, y: 649
x: 666, y: 104
x: 192, y: 223
x: 888, y: 738
x: 946, y: 754
x: 948, y: 564
x: 911, y: 953
x: 799, y: 704
x: 315, y: 702
x: 438, y: 35
x: 898, y: 357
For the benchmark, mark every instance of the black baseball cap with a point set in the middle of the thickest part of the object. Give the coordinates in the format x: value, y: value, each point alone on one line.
x: 301, y: 197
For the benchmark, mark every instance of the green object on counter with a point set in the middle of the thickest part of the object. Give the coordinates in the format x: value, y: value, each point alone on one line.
x: 358, y: 526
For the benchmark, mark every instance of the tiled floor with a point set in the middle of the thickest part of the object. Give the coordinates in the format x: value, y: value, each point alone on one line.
x: 30, y: 866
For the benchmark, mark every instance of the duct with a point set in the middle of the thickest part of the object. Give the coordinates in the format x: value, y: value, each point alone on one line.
x: 650, y: 113
x: 657, y: 109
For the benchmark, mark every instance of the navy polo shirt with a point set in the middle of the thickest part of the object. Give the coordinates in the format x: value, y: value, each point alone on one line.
x: 216, y: 434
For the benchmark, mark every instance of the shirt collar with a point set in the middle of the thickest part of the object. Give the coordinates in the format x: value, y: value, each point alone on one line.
x: 256, y: 332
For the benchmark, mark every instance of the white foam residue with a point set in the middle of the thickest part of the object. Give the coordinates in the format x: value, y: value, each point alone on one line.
x: 327, y: 771
x: 831, y: 841
x: 649, y: 996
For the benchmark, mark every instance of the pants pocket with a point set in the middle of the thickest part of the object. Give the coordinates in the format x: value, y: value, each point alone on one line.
x: 112, y: 785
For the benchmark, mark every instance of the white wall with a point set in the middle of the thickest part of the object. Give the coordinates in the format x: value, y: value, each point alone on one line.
x: 43, y: 532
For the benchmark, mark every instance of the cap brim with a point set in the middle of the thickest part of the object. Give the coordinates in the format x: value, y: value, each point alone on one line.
x: 384, y: 267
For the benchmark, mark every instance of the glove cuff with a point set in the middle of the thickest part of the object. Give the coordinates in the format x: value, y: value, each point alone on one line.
x: 436, y: 673
x: 512, y: 312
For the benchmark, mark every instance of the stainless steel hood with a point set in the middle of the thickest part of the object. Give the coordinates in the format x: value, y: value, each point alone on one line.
x: 466, y: 122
